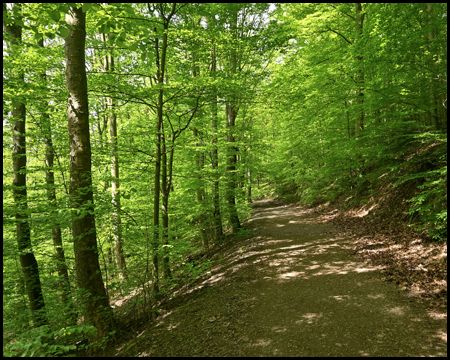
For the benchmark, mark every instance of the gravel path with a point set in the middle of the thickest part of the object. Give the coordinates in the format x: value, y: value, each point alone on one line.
x: 291, y: 290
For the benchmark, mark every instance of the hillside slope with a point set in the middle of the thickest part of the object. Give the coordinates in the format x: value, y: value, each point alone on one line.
x: 291, y: 289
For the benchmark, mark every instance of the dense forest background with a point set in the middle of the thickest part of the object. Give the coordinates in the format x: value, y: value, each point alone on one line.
x: 136, y: 134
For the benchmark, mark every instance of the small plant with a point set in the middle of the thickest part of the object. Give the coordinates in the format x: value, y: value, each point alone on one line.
x: 431, y: 204
x: 42, y: 341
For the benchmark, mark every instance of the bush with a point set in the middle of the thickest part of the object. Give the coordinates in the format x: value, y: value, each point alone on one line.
x: 42, y: 341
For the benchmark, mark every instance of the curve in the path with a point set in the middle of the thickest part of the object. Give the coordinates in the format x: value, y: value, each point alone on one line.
x: 294, y: 290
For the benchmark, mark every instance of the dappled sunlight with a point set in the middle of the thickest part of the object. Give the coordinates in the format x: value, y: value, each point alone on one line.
x: 396, y: 311
x: 309, y: 318
x: 270, y: 242
x: 340, y: 269
x: 215, y: 278
x: 442, y: 335
x: 279, y: 329
x: 341, y: 297
x: 287, y: 263
x: 278, y: 269
x: 296, y: 285
x: 378, y: 296
x: 262, y: 342
x: 290, y: 275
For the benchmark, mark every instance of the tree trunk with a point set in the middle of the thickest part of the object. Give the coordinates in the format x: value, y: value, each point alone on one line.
x: 231, y: 112
x: 19, y: 157
x: 359, y: 78
x: 249, y: 185
x: 63, y: 275
x: 217, y: 216
x: 431, y: 64
x: 166, y: 183
x: 89, y: 277
x: 200, y: 160
x: 231, y: 168
x: 115, y: 178
x: 160, y: 65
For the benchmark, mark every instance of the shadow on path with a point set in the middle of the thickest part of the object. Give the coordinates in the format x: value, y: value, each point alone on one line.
x: 294, y: 290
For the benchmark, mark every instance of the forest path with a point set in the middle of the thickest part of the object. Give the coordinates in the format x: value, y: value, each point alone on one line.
x: 291, y: 290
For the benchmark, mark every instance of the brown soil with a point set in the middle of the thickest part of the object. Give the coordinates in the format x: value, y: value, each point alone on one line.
x: 293, y: 289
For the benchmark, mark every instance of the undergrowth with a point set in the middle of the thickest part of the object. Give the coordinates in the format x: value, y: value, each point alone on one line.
x: 415, y: 161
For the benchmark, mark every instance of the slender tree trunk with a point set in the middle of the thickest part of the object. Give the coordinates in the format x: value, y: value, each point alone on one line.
x: 160, y: 65
x: 200, y: 160
x: 115, y: 190
x: 19, y: 157
x: 231, y: 112
x: 115, y: 179
x: 89, y: 277
x: 217, y: 215
x: 359, y: 78
x: 231, y: 168
x: 166, y: 182
x: 63, y: 274
x: 249, y: 185
x: 431, y: 64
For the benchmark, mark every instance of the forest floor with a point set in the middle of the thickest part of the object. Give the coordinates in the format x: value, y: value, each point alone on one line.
x: 295, y: 287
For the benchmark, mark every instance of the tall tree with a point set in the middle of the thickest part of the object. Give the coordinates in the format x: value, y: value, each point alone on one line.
x: 160, y: 59
x: 359, y: 68
x: 109, y: 67
x: 19, y: 155
x: 232, y: 108
x: 61, y: 265
x: 217, y: 215
x: 89, y: 276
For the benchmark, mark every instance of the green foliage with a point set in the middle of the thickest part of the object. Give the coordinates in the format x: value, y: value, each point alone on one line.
x: 303, y: 80
x: 43, y: 342
x: 312, y: 103
x: 429, y: 205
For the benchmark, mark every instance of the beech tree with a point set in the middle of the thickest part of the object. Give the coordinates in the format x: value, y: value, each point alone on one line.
x: 60, y: 258
x: 89, y: 276
x: 19, y: 156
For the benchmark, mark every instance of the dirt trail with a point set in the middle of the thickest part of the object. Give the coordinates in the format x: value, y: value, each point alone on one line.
x: 291, y: 290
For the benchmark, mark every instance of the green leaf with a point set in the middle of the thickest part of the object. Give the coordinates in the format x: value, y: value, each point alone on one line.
x: 104, y: 29
x: 38, y: 36
x: 86, y: 7
x: 19, y: 22
x: 134, y: 46
x: 55, y: 15
x: 63, y: 32
x: 50, y: 35
x: 64, y: 9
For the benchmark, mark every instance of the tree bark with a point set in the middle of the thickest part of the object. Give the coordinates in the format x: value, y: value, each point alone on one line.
x: 160, y: 66
x: 359, y: 78
x: 200, y: 160
x: 89, y: 277
x: 217, y: 215
x: 115, y: 178
x: 27, y: 259
x: 166, y: 183
x: 63, y: 275
x: 231, y: 112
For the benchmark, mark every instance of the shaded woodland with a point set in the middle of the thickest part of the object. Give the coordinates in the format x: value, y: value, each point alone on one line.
x: 136, y: 136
